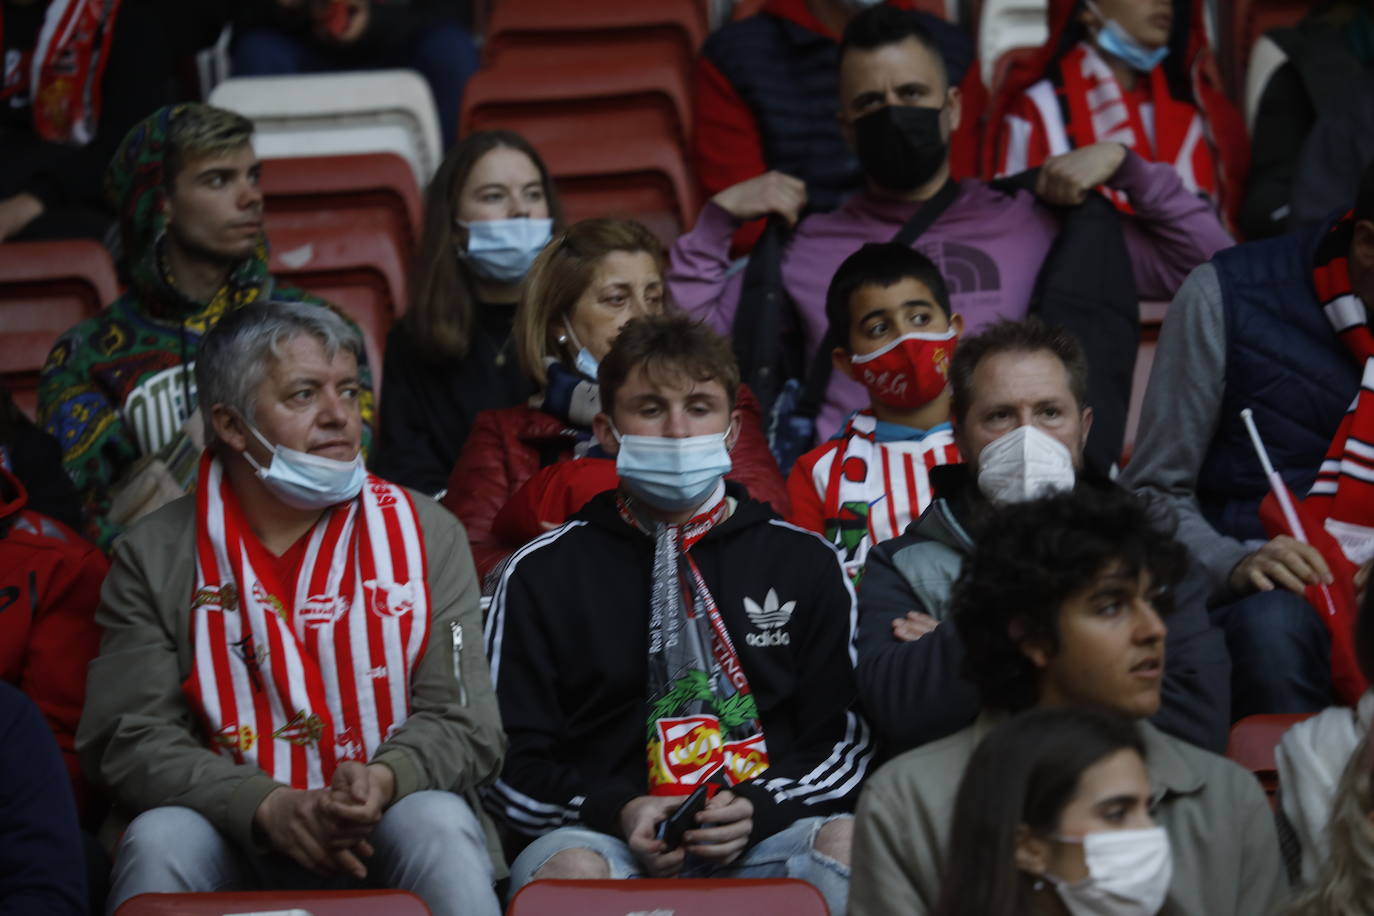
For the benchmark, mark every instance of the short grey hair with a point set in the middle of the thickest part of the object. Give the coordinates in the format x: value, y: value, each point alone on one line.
x: 233, y: 356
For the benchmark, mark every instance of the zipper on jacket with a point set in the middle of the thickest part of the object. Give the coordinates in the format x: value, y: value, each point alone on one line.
x: 457, y: 629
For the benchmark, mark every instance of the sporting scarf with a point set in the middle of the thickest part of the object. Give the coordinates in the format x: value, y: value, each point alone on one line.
x: 702, y: 721
x: 571, y: 397
x: 872, y: 490
x: 1095, y: 109
x: 66, y: 68
x: 1343, y: 493
x: 295, y: 677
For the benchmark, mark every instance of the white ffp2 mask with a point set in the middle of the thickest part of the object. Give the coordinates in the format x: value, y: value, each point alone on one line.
x: 1023, y: 465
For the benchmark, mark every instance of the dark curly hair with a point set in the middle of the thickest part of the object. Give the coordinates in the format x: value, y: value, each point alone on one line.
x: 1029, y: 559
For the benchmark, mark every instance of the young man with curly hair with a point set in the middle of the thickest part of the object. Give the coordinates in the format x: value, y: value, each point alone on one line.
x: 1063, y: 603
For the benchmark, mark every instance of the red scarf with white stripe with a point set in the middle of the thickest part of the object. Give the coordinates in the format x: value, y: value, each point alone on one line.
x: 1344, y: 489
x: 1100, y: 111
x: 873, y: 490
x: 295, y: 677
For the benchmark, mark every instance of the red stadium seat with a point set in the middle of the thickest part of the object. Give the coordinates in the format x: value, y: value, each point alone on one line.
x: 376, y: 187
x: 262, y: 903
x: 636, y: 77
x: 610, y: 163
x: 45, y: 288
x: 679, y: 896
x: 1252, y: 744
x: 351, y: 265
x: 1249, y: 20
x: 559, y: 22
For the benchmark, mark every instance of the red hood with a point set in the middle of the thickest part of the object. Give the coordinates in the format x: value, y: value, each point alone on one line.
x: 13, y: 496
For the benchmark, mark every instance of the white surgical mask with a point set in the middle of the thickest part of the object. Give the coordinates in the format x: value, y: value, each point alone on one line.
x: 1128, y: 874
x: 1023, y: 465
x: 306, y: 481
x: 503, y: 249
x: 584, y: 361
x: 672, y: 474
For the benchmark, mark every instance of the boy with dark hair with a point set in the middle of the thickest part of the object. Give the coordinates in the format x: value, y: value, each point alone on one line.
x: 676, y: 621
x: 893, y: 331
x: 1063, y: 604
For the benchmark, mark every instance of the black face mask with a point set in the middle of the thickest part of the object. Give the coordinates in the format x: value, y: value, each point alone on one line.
x: 900, y: 146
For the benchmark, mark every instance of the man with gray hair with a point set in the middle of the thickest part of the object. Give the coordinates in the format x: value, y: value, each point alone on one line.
x: 118, y: 388
x: 291, y: 691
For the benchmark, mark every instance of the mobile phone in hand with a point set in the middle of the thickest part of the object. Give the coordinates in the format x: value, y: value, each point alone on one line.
x: 671, y: 830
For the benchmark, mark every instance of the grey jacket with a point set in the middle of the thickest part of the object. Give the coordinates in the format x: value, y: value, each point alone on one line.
x: 914, y: 692
x: 140, y: 739
x: 1225, y: 852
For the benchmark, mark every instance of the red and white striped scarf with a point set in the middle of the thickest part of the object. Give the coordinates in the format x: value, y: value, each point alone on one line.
x: 1344, y: 489
x: 872, y: 490
x: 67, y: 66
x: 1167, y: 130
x: 294, y: 677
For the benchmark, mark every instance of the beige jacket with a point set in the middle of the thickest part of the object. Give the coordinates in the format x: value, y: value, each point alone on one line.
x: 1226, y: 854
x: 140, y: 739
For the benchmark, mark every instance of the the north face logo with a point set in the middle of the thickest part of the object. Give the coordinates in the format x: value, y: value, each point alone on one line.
x: 770, y: 618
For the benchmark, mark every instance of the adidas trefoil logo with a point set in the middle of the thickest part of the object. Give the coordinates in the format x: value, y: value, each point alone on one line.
x: 770, y: 618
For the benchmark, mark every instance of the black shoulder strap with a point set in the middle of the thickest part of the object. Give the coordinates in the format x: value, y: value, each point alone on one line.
x: 819, y: 368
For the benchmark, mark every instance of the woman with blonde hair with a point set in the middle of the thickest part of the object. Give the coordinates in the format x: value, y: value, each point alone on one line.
x: 1345, y: 881
x: 489, y: 211
x: 589, y: 281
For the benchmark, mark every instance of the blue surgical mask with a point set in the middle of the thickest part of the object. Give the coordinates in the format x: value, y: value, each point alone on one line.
x: 672, y: 475
x: 503, y: 249
x: 1117, y: 42
x: 306, y: 481
x: 584, y: 361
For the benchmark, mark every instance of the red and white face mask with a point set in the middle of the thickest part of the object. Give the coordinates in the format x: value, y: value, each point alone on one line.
x: 910, y: 371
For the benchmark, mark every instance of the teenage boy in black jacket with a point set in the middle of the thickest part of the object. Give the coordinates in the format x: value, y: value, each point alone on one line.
x: 674, y: 633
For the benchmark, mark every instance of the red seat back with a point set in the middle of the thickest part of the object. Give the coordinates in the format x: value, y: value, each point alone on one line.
x: 315, y: 903
x: 679, y: 896
x: 350, y: 265
x: 45, y: 288
x: 378, y: 188
x: 1252, y: 744
x: 543, y: 23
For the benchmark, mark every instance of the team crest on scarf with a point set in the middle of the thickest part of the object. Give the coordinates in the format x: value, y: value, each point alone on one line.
x: 311, y: 672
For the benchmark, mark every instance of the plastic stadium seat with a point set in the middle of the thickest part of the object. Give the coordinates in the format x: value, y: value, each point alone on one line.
x: 270, y: 903
x: 1007, y: 24
x: 1252, y: 744
x: 1252, y: 18
x: 678, y: 896
x: 560, y: 22
x: 632, y: 165
x: 377, y: 187
x: 45, y: 288
x: 1265, y: 58
x: 351, y: 265
x: 630, y: 75
x: 328, y: 114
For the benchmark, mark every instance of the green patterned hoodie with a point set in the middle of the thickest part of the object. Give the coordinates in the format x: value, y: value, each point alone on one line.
x: 120, y: 384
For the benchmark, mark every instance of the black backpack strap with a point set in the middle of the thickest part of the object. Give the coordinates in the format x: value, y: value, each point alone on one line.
x: 761, y: 318
x: 818, y: 370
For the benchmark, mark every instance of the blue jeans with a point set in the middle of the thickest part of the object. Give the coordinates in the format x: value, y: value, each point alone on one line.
x: 1280, y: 654
x: 442, y: 53
x: 428, y: 843
x: 789, y: 853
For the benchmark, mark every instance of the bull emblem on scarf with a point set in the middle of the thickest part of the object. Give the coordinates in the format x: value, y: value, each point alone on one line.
x: 389, y: 599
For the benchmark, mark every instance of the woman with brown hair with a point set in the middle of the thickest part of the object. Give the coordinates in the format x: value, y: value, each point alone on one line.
x: 489, y: 211
x: 582, y: 289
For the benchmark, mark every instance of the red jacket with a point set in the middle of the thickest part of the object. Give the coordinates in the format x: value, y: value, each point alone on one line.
x: 50, y: 582
x: 507, y: 447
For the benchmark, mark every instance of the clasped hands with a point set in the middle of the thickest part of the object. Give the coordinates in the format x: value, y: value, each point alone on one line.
x: 726, y: 822
x: 326, y: 830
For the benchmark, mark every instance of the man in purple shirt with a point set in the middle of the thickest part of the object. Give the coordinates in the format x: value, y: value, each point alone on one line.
x: 898, y: 110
